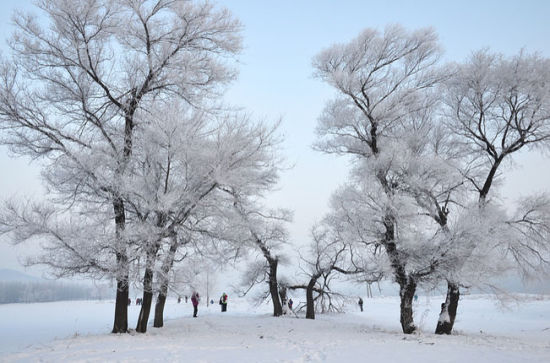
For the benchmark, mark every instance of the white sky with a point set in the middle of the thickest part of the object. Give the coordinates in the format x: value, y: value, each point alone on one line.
x: 281, y: 37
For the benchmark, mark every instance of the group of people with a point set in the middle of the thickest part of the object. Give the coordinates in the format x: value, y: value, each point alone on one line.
x: 195, y: 299
x: 139, y: 300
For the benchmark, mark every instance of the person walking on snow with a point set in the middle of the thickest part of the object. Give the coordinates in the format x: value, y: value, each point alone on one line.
x: 360, y: 302
x: 290, y: 302
x: 223, y: 302
x: 195, y: 299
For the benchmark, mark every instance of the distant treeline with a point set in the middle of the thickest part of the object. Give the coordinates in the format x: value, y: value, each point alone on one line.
x: 44, y: 291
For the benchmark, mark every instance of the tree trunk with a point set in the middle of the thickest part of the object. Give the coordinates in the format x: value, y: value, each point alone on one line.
x: 448, y: 310
x: 273, y: 288
x: 159, y: 310
x: 146, y: 303
x: 407, y: 285
x: 283, y: 295
x: 147, y: 300
x: 406, y: 292
x: 164, y: 281
x: 310, y: 305
x: 120, y: 324
x: 161, y: 301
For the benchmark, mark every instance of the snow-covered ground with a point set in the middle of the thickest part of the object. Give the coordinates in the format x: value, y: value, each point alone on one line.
x: 69, y: 331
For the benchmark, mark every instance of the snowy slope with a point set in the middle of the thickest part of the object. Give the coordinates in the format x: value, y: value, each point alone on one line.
x: 248, y: 334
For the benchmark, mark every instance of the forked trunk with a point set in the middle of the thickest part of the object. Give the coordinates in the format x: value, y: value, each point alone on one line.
x: 448, y: 310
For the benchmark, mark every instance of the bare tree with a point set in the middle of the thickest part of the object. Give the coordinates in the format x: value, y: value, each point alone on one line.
x: 328, y: 254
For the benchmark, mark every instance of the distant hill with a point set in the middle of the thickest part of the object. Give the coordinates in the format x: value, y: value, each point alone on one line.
x: 7, y: 275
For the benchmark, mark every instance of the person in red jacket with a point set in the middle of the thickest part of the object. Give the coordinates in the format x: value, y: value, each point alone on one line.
x: 223, y: 302
x: 195, y: 299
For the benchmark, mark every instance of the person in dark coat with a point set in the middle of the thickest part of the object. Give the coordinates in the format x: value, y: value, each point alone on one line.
x: 290, y: 302
x: 360, y: 302
x: 195, y: 299
x: 223, y: 302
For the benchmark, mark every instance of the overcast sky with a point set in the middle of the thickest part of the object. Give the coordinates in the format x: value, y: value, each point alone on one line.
x: 281, y: 37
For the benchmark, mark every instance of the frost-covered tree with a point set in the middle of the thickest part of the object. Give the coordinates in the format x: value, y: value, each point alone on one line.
x: 71, y: 91
x: 185, y: 176
x: 181, y: 160
x: 234, y: 223
x: 183, y: 163
x: 260, y: 231
x: 173, y: 171
x: 381, y: 79
x: 494, y: 107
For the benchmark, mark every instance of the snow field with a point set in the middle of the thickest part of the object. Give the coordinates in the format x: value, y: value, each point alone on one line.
x: 485, y: 333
